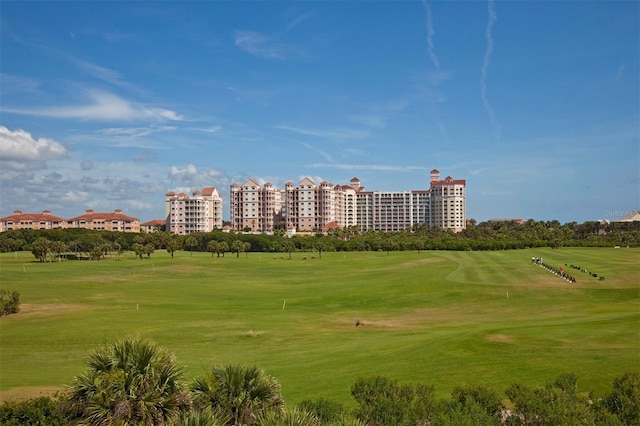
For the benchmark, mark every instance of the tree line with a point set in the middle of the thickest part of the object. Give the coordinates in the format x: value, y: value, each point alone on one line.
x: 136, y: 382
x: 51, y: 245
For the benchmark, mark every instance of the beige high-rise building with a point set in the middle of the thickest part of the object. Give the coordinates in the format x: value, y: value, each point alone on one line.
x: 200, y: 212
x: 311, y: 207
x: 448, y: 202
x: 255, y: 207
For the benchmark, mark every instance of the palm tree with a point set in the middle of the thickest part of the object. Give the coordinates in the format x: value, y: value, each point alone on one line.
x: 237, y: 246
x: 191, y: 242
x: 295, y: 417
x: 239, y: 391
x: 131, y: 382
x: 212, y: 246
x: 288, y: 246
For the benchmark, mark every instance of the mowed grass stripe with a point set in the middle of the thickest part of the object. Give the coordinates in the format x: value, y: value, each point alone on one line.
x: 443, y: 318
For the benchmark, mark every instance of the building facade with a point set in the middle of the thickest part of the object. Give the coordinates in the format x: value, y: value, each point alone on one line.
x: 448, y: 202
x: 116, y: 221
x: 255, y: 207
x: 44, y: 220
x: 311, y: 207
x: 200, y: 212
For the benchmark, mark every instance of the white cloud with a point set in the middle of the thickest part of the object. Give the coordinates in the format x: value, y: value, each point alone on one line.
x: 485, y: 68
x: 430, y: 33
x: 369, y: 120
x: 102, y: 106
x: 135, y: 132
x: 12, y: 83
x: 20, y: 151
x: 266, y: 47
x: 339, y: 134
x: 192, y: 176
x: 212, y: 129
x: 374, y: 167
x: 322, y: 153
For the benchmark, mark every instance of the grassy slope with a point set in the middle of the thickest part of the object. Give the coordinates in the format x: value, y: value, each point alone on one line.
x: 444, y: 318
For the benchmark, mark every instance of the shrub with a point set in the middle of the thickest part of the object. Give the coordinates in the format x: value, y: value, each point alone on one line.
x: 9, y: 302
x: 42, y: 411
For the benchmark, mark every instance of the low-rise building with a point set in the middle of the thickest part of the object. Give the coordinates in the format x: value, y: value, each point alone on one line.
x: 116, y: 221
x: 20, y: 220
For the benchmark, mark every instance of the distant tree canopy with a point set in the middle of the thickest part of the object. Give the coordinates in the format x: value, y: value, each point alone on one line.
x: 50, y: 245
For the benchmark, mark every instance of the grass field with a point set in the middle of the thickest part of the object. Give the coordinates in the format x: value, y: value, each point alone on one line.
x: 441, y: 318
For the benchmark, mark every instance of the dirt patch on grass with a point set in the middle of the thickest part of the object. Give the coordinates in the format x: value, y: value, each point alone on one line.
x: 499, y: 338
x: 23, y: 393
x: 31, y: 310
x: 409, y: 321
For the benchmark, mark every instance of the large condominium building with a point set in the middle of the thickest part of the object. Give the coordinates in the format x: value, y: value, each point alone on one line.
x: 255, y: 207
x: 309, y: 207
x: 200, y: 212
x: 448, y: 202
x: 115, y: 221
x: 19, y: 220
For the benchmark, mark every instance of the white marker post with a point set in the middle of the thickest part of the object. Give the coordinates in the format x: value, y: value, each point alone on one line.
x: 284, y: 304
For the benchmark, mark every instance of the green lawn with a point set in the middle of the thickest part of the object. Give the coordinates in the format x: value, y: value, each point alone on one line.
x: 442, y: 318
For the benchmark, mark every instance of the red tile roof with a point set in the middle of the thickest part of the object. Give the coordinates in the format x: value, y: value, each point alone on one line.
x: 155, y: 222
x: 91, y: 215
x: 18, y: 216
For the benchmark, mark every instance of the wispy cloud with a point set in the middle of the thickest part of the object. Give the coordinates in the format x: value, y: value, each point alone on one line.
x: 212, y: 129
x: 430, y: 33
x: 322, y: 153
x: 375, y: 121
x: 102, y: 106
x: 337, y: 134
x: 620, y: 72
x: 485, y: 68
x: 134, y: 132
x: 372, y: 167
x: 266, y: 47
x: 13, y: 83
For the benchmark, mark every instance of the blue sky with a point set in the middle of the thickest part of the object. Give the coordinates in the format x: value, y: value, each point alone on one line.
x: 108, y: 105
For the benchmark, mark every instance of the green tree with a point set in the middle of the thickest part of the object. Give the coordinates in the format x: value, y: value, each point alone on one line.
x: 288, y: 246
x: 624, y: 400
x: 382, y: 401
x: 240, y: 392
x: 41, y: 248
x: 56, y: 248
x: 236, y: 247
x: 173, y: 244
x: 212, y: 246
x: 138, y: 249
x: 130, y: 382
x: 223, y: 247
x: 191, y: 242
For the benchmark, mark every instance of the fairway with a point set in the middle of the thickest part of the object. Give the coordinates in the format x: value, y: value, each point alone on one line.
x: 439, y: 317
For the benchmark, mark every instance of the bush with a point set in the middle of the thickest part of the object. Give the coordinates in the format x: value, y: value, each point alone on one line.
x: 9, y: 302
x: 42, y: 411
